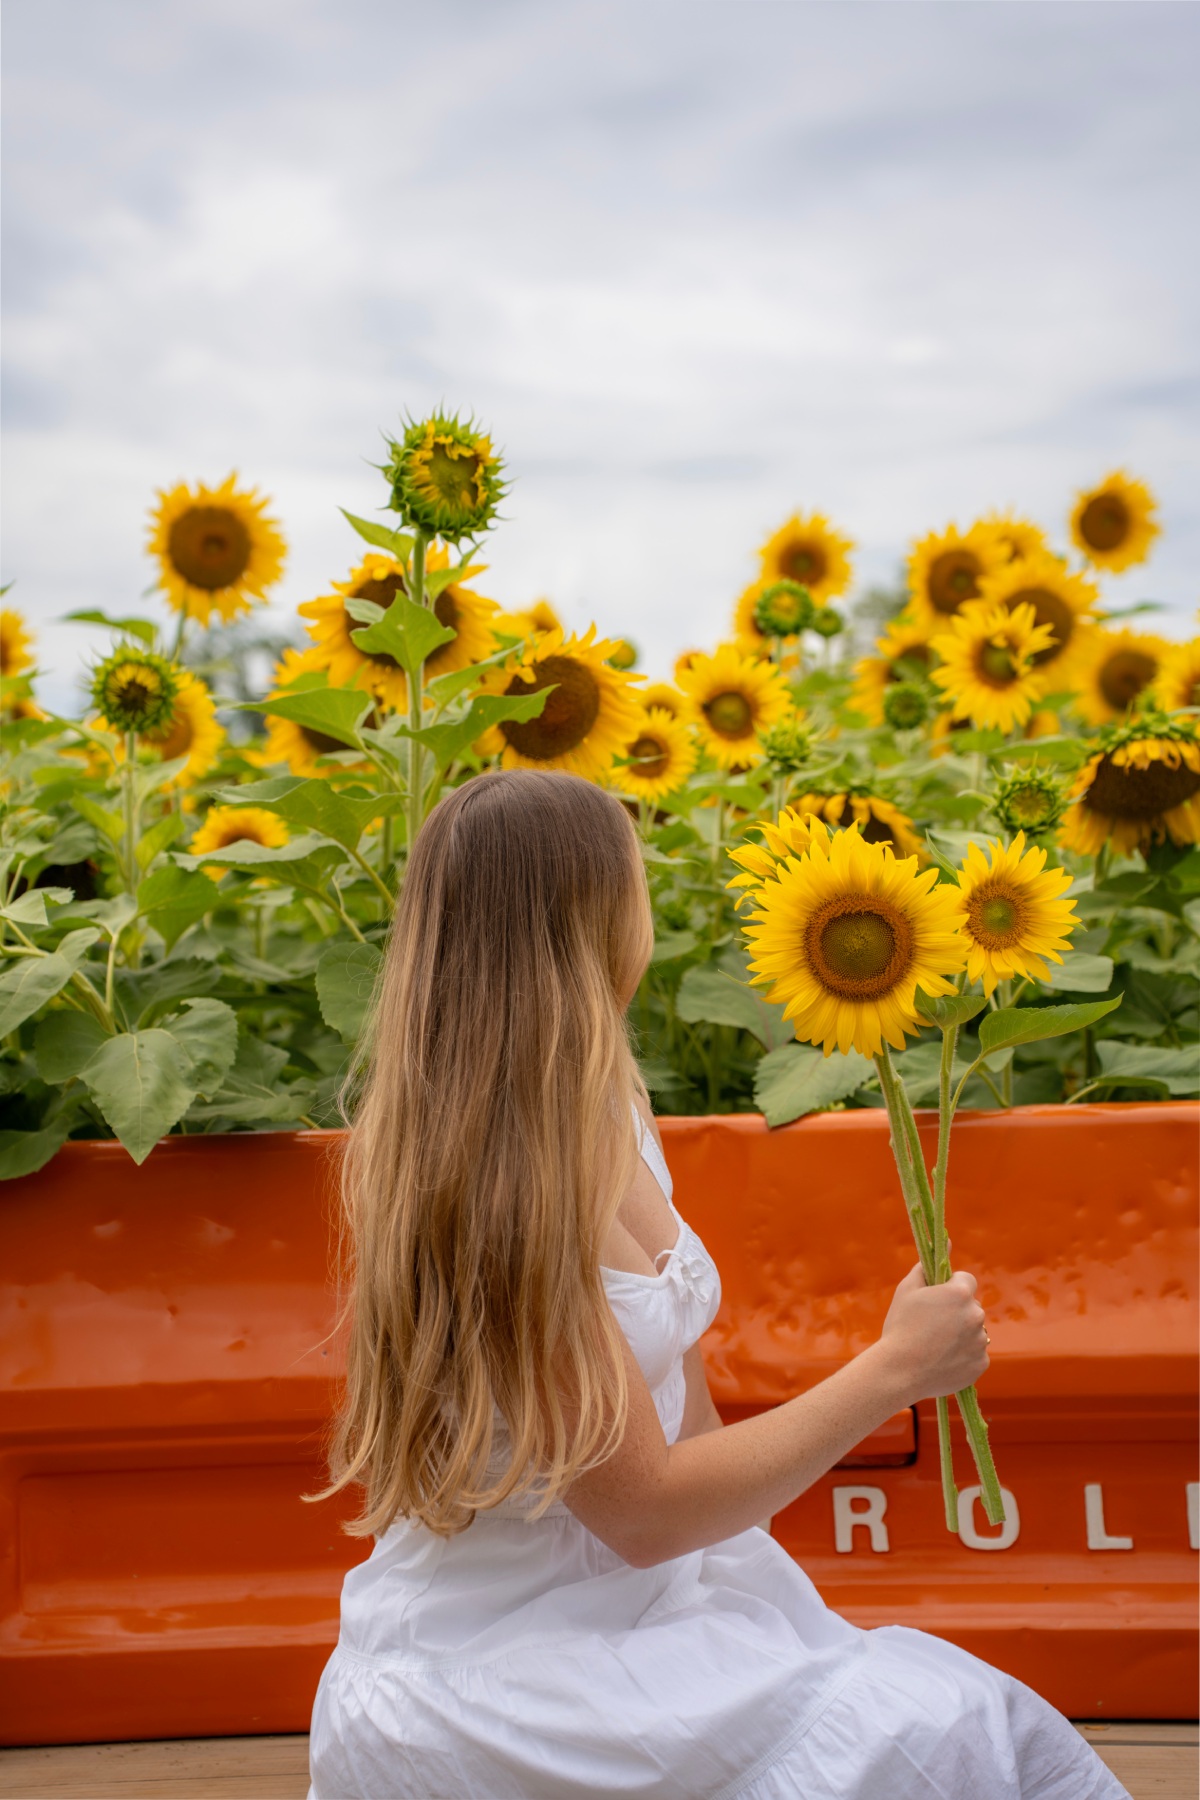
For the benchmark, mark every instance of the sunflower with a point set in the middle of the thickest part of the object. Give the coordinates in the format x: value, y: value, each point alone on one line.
x: 736, y: 698
x: 903, y: 654
x: 380, y: 579
x: 843, y: 936
x: 591, y: 717
x: 625, y: 654
x: 1013, y: 914
x: 135, y: 690
x: 446, y: 479
x: 663, y: 755
x: 193, y: 731
x: 666, y: 698
x: 16, y: 643
x: 1178, y: 681
x: 792, y: 834
x: 1142, y: 786
x: 534, y: 621
x: 1020, y: 537
x: 1114, y: 524
x: 225, y: 825
x: 947, y: 569
x: 877, y: 821
x: 1059, y: 599
x: 1031, y: 800
x: 785, y: 605
x: 1115, y: 670
x: 987, y: 665
x: 809, y: 551
x: 217, y: 550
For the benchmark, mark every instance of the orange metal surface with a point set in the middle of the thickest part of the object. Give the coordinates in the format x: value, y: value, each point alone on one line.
x: 165, y: 1381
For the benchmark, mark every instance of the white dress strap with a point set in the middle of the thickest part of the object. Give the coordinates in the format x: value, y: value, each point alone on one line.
x: 653, y: 1157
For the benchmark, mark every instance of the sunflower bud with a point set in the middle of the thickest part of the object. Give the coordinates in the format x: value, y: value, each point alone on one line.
x: 136, y: 690
x: 784, y: 609
x: 788, y: 746
x: 826, y: 622
x: 445, y: 477
x: 906, y: 705
x: 623, y: 655
x: 1032, y: 801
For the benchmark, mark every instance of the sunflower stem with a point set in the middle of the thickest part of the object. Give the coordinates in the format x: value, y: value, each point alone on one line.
x: 416, y: 701
x: 127, y: 776
x: 902, y: 1154
x: 946, y: 1462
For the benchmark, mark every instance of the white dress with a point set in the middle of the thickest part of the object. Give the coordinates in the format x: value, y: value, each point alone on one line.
x: 527, y: 1661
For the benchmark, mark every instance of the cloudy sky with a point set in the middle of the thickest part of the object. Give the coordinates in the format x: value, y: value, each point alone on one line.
x: 695, y: 265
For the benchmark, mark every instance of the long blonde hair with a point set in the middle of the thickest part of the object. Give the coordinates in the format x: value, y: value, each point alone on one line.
x: 491, y: 1146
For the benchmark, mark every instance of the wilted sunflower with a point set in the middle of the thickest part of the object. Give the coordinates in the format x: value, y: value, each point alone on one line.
x: 1114, y: 524
x: 225, y: 825
x: 809, y: 551
x: 668, y: 699
x: 1013, y: 914
x: 590, y: 718
x: 947, y: 569
x: 903, y: 654
x: 534, y: 621
x: 736, y: 698
x: 16, y: 642
x: 1143, y: 786
x: 987, y: 665
x: 446, y: 479
x: 217, y: 550
x: 1020, y: 537
x: 1059, y: 599
x: 135, y: 690
x: 877, y: 821
x: 843, y: 936
x: 1178, y: 680
x: 193, y: 731
x: 663, y: 755
x: 1115, y: 670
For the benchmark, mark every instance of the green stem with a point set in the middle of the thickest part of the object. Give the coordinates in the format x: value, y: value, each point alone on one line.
x: 981, y: 1450
x: 918, y: 1217
x: 382, y: 886
x: 177, y: 647
x: 127, y: 778
x: 718, y: 847
x: 946, y: 1462
x: 941, y: 1259
x: 415, y: 702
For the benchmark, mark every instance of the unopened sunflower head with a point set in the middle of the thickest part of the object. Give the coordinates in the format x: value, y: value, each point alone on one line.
x: 135, y: 690
x: 1013, y: 915
x: 826, y: 622
x: 1033, y: 801
x: 843, y: 936
x: 624, y: 654
x: 789, y: 746
x: 1140, y: 788
x: 783, y: 609
x: 445, y: 477
x: 907, y: 705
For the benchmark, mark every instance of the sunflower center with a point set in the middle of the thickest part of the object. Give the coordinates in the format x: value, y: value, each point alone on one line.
x: 996, y: 916
x: 996, y: 665
x: 320, y: 741
x: 1049, y: 609
x: 730, y: 715
x: 805, y: 563
x: 176, y: 740
x: 1104, y: 522
x: 238, y: 834
x: 650, y: 756
x: 209, y: 546
x: 859, y: 946
x: 876, y: 831
x: 453, y: 478
x: 568, y: 715
x: 953, y: 578
x: 1124, y: 675
x: 134, y: 694
x: 1121, y: 792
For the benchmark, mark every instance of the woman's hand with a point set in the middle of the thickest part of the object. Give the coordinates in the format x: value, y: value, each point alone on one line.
x: 936, y: 1337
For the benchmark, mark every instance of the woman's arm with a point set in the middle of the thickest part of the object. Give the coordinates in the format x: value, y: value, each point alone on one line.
x: 699, y: 1413
x: 651, y: 1501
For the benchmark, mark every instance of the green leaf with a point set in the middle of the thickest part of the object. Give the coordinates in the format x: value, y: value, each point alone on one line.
x: 25, y: 1152
x: 1080, y: 973
x: 345, y: 980
x: 442, y: 689
x: 798, y: 1079
x: 315, y: 806
x: 1178, y: 1070
x: 669, y: 945
x: 207, y: 1031
x: 253, y: 1092
x: 145, y: 630
x: 30, y: 908
x: 142, y: 994
x: 448, y: 740
x: 1057, y: 752
x: 438, y: 580
x: 334, y: 712
x: 1028, y: 1024
x: 172, y: 899
x: 34, y: 980
x: 65, y: 1042
x: 397, y: 543
x: 141, y: 1083
x: 246, y: 854
x: 949, y: 1009
x: 158, y: 837
x: 710, y: 995
x: 110, y: 824
x: 407, y: 632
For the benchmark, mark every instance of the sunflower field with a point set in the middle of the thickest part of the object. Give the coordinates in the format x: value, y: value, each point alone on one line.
x: 948, y: 836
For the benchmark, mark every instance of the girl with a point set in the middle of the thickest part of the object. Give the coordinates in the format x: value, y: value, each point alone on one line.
x: 568, y: 1594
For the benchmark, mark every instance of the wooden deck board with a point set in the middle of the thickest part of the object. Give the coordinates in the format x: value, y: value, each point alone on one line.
x: 1155, y: 1762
